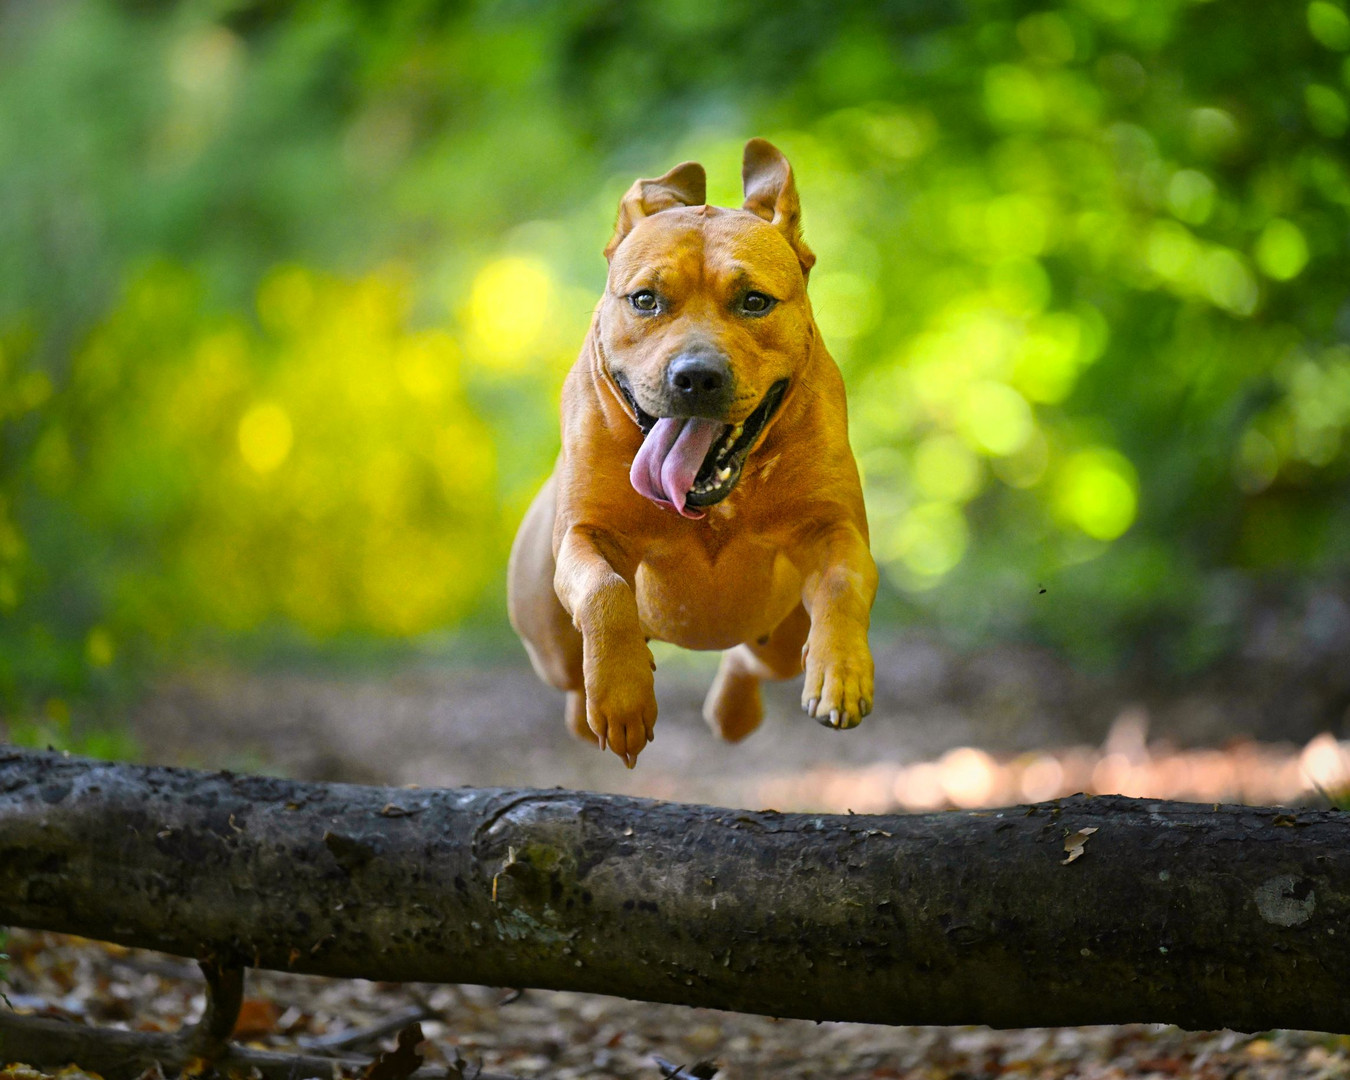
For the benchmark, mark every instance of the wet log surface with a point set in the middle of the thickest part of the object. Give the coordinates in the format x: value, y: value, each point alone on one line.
x: 1201, y: 916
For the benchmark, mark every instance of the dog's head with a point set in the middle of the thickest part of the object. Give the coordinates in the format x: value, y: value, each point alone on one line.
x: 705, y: 323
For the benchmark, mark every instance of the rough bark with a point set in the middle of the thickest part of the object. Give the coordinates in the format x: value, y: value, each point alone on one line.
x: 1202, y: 916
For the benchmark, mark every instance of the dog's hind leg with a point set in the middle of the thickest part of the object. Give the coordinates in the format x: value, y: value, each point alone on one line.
x: 552, y: 642
x: 734, y: 708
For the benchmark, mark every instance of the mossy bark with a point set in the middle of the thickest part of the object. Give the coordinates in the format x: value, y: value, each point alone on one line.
x: 1202, y: 916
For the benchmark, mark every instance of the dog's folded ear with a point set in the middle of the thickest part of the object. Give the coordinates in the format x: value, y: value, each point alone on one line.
x: 684, y: 185
x: 770, y: 193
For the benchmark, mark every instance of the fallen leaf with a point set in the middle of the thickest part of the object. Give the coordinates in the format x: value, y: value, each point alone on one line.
x: 1073, y: 844
x: 257, y: 1017
x: 401, y: 1062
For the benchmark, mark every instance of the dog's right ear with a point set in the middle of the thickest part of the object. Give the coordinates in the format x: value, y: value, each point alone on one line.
x: 684, y: 185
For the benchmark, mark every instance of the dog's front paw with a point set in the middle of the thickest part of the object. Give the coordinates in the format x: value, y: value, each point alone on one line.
x: 621, y: 704
x: 838, y: 688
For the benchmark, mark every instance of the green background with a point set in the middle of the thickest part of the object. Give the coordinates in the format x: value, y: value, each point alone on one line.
x: 287, y: 292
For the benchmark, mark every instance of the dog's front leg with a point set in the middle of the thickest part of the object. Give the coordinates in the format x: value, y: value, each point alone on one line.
x: 837, y: 590
x: 617, y: 666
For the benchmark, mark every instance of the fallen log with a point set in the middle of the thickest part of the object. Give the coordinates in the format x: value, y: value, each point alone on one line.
x: 1078, y: 911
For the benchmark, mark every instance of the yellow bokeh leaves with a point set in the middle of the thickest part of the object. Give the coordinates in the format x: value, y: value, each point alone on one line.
x: 328, y: 471
x: 510, y: 307
x: 265, y: 436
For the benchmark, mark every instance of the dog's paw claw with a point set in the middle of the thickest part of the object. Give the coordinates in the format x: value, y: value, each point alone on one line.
x: 838, y: 690
x: 620, y: 703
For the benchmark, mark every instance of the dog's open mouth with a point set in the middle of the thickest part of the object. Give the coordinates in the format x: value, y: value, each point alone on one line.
x: 688, y: 462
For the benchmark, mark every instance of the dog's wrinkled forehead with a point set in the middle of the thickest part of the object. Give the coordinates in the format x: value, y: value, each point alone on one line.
x: 706, y: 246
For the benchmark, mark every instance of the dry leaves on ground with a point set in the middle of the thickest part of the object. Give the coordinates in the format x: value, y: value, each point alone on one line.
x: 567, y: 1035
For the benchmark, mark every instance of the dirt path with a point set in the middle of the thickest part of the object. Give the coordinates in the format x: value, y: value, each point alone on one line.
x: 500, y: 726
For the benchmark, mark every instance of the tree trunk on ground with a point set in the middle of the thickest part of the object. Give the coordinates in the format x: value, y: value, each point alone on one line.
x: 1194, y: 915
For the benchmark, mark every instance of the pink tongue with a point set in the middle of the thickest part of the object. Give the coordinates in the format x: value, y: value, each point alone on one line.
x: 669, y: 459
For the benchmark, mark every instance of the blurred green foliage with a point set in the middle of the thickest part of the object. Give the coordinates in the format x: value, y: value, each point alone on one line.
x: 287, y: 292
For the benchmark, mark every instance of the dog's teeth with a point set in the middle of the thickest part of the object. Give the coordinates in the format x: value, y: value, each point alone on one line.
x: 723, y: 475
x: 736, y: 432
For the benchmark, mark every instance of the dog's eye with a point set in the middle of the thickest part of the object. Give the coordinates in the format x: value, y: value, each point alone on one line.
x: 756, y: 303
x: 644, y: 301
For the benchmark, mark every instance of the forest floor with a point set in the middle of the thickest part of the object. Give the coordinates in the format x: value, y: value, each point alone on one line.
x: 1004, y: 726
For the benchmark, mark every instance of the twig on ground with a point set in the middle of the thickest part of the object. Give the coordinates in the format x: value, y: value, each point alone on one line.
x: 700, y: 1070
x: 352, y: 1039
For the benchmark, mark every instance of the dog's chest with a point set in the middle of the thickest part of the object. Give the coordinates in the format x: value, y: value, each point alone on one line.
x: 702, y: 599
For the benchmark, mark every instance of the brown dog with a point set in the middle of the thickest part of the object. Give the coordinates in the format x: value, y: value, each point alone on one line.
x: 705, y: 494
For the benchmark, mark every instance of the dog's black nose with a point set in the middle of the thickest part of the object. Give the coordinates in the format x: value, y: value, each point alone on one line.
x: 699, y: 383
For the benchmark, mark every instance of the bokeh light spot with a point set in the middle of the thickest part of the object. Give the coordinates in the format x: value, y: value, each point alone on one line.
x: 1327, y: 110
x: 265, y: 437
x: 1325, y: 762
x: 1228, y: 281
x: 1281, y: 251
x: 929, y: 540
x: 427, y: 364
x: 99, y: 649
x: 1329, y: 25
x: 1098, y: 491
x: 510, y: 305
x: 1190, y: 196
x: 1049, y: 358
x: 945, y: 469
x: 967, y: 775
x: 1171, y: 251
x: 1047, y: 37
x: 1212, y: 132
x: 1013, y: 97
x: 995, y: 418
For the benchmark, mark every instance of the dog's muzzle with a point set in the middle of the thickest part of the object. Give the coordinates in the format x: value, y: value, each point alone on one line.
x: 690, y: 462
